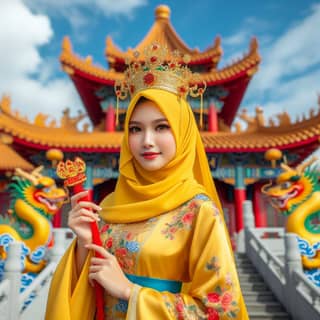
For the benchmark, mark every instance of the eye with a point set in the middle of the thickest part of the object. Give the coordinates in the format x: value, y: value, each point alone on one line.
x: 44, y: 188
x: 286, y: 185
x: 162, y: 126
x: 134, y: 129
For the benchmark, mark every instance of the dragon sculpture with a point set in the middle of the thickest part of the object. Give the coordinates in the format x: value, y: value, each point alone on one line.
x: 34, y: 200
x: 296, y: 194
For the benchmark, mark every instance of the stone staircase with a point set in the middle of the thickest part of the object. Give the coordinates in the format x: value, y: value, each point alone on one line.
x: 260, y: 301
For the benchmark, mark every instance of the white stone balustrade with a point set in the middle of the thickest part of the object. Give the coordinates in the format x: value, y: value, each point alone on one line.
x: 13, y: 303
x: 285, y: 277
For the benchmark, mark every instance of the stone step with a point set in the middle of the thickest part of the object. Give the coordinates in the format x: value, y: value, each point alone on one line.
x: 269, y: 316
x: 264, y: 297
x: 250, y: 279
x: 260, y: 301
x: 254, y: 287
x: 241, y: 258
x: 240, y: 262
x: 246, y: 267
x: 271, y: 306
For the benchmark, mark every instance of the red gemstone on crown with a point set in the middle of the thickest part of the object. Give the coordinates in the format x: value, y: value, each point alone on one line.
x: 153, y: 59
x: 148, y: 79
x: 182, y: 90
x: 132, y: 88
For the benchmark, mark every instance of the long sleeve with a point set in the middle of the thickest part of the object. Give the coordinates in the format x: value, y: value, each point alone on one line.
x: 70, y: 298
x: 213, y: 291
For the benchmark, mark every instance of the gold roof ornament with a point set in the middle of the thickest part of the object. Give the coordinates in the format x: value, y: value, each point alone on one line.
x: 54, y: 155
x: 273, y: 155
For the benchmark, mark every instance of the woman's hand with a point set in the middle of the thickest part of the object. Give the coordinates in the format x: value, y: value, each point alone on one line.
x: 80, y: 216
x: 107, y: 272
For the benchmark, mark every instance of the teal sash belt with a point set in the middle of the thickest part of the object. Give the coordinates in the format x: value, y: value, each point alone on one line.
x: 155, y: 283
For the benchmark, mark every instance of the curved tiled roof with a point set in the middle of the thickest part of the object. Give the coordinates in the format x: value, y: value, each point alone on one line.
x: 10, y: 160
x: 291, y: 136
x: 45, y: 137
x: 71, y: 63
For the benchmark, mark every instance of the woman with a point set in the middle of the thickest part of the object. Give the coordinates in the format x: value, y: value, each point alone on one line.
x: 166, y: 252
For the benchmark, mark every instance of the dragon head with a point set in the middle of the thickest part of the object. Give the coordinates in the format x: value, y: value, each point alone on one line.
x: 39, y: 191
x: 292, y: 187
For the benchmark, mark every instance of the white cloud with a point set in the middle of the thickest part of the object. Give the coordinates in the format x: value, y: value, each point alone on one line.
x: 108, y: 7
x: 237, y: 39
x: 25, y: 75
x: 296, y: 96
x: 21, y: 33
x: 82, y: 15
x: 289, y: 74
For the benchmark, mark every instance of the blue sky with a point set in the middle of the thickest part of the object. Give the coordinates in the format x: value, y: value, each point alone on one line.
x: 31, y: 34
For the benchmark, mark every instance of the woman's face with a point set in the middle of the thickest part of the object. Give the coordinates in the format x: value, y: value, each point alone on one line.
x: 151, y: 140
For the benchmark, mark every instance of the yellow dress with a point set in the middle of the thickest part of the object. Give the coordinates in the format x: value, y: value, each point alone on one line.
x: 188, y: 245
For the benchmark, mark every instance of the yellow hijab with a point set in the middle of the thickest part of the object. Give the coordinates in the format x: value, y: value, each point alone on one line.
x: 141, y: 194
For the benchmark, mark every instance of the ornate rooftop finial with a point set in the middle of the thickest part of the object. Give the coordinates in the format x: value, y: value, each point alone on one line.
x: 162, y: 12
x: 284, y: 118
x: 70, y: 123
x: 5, y: 104
x: 66, y: 44
x: 254, y: 45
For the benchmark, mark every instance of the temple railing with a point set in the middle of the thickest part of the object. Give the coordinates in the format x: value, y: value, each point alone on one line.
x: 4, y: 298
x: 31, y: 303
x: 279, y: 263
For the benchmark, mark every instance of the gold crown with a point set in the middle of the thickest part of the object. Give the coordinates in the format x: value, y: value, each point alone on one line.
x: 159, y: 70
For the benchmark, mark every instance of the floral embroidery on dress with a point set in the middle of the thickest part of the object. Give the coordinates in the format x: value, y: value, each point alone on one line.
x: 182, y: 220
x: 121, y: 306
x: 180, y: 310
x: 124, y: 248
x: 213, y: 265
x: 201, y: 197
x: 121, y: 241
x: 220, y: 302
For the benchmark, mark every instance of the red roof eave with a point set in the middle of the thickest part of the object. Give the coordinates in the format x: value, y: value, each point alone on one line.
x: 38, y: 146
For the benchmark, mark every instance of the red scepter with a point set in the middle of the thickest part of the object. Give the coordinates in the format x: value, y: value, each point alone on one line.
x: 73, y: 174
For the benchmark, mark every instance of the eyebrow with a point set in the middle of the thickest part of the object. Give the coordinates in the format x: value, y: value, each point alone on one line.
x: 154, y: 121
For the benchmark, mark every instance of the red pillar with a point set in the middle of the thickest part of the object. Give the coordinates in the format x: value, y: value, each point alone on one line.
x: 212, y: 118
x: 239, y: 197
x: 259, y: 214
x: 110, y: 123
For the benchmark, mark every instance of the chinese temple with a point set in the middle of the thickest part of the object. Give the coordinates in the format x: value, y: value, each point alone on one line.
x: 236, y: 154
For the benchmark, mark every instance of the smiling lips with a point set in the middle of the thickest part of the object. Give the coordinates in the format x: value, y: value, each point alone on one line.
x: 150, y: 155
